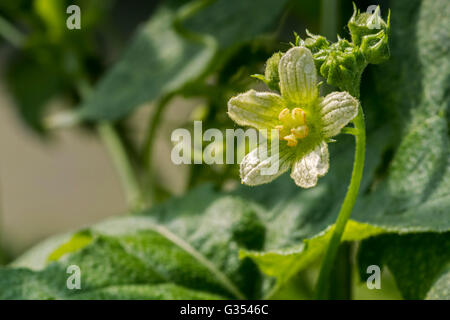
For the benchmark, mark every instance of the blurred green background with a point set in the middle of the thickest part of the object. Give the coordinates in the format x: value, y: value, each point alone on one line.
x: 57, y: 181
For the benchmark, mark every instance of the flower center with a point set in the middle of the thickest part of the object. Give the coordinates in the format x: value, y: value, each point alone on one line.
x: 293, y: 125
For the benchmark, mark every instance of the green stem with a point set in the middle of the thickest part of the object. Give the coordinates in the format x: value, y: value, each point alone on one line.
x: 146, y: 155
x: 119, y: 156
x: 116, y: 149
x: 346, y: 208
x: 341, y: 275
x: 185, y: 12
x: 151, y: 131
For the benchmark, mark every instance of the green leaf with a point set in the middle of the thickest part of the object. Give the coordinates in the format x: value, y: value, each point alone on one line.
x: 153, y: 292
x: 415, y: 260
x: 106, y: 268
x: 184, y: 249
x: 37, y: 257
x: 285, y: 263
x: 161, y: 60
x: 77, y: 242
x: 440, y: 289
x: 416, y: 194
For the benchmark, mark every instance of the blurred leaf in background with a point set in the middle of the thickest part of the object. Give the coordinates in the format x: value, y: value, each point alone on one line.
x: 50, y: 59
x: 169, y: 52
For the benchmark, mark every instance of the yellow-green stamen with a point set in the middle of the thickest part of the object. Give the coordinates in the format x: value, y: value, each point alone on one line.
x: 293, y: 125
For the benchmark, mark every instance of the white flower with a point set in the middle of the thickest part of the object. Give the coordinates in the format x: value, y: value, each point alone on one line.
x: 304, y: 121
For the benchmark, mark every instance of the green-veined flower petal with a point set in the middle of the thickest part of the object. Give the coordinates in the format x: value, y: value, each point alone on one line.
x: 298, y: 77
x: 256, y: 109
x: 259, y: 168
x: 310, y: 167
x: 337, y: 109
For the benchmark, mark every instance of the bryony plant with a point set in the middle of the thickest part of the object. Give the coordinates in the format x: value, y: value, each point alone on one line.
x: 304, y: 122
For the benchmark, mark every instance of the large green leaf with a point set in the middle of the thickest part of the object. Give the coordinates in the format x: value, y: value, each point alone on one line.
x: 184, y: 249
x: 416, y: 193
x: 415, y: 260
x: 411, y: 192
x: 161, y: 60
x: 110, y: 268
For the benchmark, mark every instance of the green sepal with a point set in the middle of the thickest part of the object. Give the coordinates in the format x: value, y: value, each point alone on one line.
x: 375, y: 47
x: 315, y: 43
x: 364, y: 24
x: 319, y: 47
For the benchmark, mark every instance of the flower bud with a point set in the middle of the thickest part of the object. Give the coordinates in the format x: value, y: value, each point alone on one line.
x: 319, y: 46
x: 370, y: 32
x: 315, y: 43
x: 272, y: 78
x: 343, y: 65
x: 375, y: 47
x: 363, y: 24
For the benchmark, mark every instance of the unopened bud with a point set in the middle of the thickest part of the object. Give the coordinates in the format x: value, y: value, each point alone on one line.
x: 370, y: 32
x: 343, y: 65
x: 271, y: 74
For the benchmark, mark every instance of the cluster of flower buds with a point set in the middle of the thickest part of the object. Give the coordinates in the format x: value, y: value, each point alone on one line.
x: 342, y: 63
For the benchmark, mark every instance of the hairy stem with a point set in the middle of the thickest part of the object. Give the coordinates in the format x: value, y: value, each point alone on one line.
x: 322, y: 287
